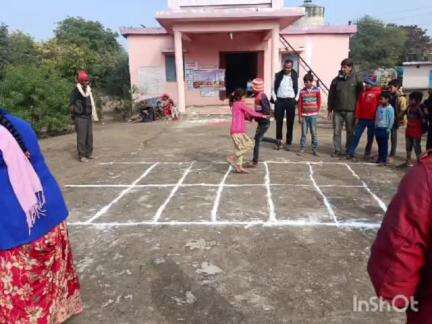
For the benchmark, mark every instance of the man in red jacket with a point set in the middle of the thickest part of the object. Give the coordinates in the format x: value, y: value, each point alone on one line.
x: 400, y: 265
x: 365, y: 115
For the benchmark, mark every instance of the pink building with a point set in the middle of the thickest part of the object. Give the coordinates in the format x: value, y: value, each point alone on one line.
x: 205, y: 45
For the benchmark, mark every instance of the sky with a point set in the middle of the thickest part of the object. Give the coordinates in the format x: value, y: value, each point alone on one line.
x: 39, y: 18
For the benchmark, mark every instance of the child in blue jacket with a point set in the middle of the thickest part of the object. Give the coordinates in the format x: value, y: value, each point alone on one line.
x: 384, y: 121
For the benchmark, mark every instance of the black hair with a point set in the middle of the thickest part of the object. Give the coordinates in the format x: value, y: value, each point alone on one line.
x: 308, y: 77
x: 347, y: 62
x: 11, y: 128
x: 395, y: 83
x: 288, y: 61
x: 386, y: 95
x: 237, y: 95
x: 417, y: 96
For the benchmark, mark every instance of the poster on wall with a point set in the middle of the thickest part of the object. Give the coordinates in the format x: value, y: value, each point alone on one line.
x: 209, y: 79
x: 208, y: 92
x: 190, y: 68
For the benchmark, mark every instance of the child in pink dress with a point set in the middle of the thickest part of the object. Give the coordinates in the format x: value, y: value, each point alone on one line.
x: 243, y: 144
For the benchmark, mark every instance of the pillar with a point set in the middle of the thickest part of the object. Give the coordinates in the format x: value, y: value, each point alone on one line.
x: 179, y: 70
x: 268, y: 77
x: 276, y: 61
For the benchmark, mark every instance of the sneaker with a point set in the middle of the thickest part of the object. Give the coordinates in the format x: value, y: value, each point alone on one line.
x: 315, y: 153
x: 336, y: 154
x: 288, y: 147
x: 301, y: 152
x: 278, y: 145
x: 91, y: 157
x: 84, y: 160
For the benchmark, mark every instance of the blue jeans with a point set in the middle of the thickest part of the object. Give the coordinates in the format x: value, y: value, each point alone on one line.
x: 309, y: 123
x: 359, y: 130
x: 382, y: 137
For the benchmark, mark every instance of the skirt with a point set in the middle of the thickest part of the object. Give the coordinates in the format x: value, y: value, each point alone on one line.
x: 38, y: 281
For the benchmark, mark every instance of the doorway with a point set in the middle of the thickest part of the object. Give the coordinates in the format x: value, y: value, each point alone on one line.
x: 239, y: 67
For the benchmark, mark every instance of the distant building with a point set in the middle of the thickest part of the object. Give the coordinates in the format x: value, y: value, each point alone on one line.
x: 204, y: 44
x: 417, y: 75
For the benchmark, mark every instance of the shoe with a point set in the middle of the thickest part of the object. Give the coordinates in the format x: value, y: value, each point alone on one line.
x: 349, y: 157
x: 91, y: 157
x: 288, y: 147
x: 315, y: 153
x: 336, y: 154
x: 278, y: 145
x: 301, y: 152
x: 366, y: 157
x: 84, y: 160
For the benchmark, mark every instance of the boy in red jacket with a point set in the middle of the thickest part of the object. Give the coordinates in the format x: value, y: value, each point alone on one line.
x: 400, y: 265
x: 365, y: 115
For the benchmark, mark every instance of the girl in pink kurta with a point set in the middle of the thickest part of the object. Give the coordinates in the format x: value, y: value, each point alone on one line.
x: 243, y: 144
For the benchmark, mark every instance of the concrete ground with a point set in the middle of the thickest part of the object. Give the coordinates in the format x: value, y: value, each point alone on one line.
x: 164, y: 233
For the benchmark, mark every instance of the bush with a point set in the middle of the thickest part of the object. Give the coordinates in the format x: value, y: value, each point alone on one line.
x: 39, y: 95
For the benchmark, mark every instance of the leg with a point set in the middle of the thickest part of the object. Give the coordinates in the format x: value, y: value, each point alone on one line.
x: 370, y: 138
x: 81, y: 130
x: 291, y: 108
x: 337, y: 132
x: 89, y: 142
x: 314, y: 134
x: 409, y: 147
x: 361, y: 125
x: 279, y: 116
x: 394, y: 141
x: 349, y: 125
x: 262, y: 128
x: 380, y: 137
x: 417, y: 148
x: 304, y: 130
x: 429, y: 139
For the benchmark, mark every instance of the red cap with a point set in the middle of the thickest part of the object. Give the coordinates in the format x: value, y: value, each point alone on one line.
x: 83, y: 77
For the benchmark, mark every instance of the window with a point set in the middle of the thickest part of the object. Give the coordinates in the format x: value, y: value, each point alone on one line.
x: 170, y: 68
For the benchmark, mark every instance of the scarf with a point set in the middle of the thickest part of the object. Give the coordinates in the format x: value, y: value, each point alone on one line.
x: 23, y: 178
x: 86, y: 94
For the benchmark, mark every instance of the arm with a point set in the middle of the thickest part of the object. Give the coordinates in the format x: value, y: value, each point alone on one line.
x: 391, y: 117
x: 331, y: 96
x: 319, y: 100
x: 399, y: 252
x: 250, y: 113
x: 300, y: 107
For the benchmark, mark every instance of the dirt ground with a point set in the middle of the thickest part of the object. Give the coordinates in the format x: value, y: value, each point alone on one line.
x: 164, y: 233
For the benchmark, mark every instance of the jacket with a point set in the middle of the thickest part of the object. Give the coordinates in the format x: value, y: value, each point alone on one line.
x: 241, y: 113
x: 13, y: 227
x: 80, y: 106
x: 309, y: 102
x: 385, y: 117
x: 278, y: 80
x: 344, y: 93
x: 368, y: 103
x: 400, y: 105
x: 401, y: 256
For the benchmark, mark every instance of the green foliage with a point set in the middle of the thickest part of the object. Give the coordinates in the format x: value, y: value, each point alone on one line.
x: 37, y: 94
x: 418, y: 44
x: 4, y: 47
x: 22, y: 49
x: 377, y: 44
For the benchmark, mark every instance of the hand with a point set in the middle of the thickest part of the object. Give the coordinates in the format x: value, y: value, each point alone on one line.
x: 300, y: 120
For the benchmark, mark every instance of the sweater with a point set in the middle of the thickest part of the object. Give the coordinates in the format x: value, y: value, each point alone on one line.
x: 262, y: 104
x: 368, y: 103
x: 344, y: 93
x: 415, y: 122
x: 385, y: 117
x: 309, y: 102
x: 240, y: 113
x: 14, y: 231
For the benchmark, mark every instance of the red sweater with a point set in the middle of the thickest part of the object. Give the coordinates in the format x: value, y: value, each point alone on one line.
x: 309, y: 102
x: 368, y: 103
x: 401, y: 257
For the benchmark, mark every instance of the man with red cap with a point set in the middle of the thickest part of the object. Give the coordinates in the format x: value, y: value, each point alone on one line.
x: 83, y: 112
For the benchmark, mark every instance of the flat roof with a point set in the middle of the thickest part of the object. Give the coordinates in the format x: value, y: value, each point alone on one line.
x: 417, y: 63
x: 126, y: 31
x: 326, y: 29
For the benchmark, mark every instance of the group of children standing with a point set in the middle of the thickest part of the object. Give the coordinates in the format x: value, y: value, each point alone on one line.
x: 379, y: 111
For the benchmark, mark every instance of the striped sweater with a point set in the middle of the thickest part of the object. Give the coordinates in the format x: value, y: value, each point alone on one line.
x: 309, y: 102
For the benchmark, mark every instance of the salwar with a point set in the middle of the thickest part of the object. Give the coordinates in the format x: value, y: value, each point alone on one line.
x: 243, y: 144
x: 38, y: 281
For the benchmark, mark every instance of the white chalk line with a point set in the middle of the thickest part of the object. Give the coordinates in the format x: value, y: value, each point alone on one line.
x: 325, y: 200
x: 219, y: 195
x: 223, y: 162
x: 172, y: 193
x: 270, y: 203
x: 381, y: 203
x: 188, y: 185
x: 278, y: 223
x: 104, y: 209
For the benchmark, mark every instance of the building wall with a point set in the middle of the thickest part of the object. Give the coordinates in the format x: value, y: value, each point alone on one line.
x: 417, y: 77
x: 323, y: 52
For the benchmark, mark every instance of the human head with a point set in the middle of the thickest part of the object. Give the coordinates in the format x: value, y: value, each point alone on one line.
x: 415, y: 98
x: 258, y: 85
x: 83, y: 78
x: 237, y: 95
x: 394, y: 86
x: 385, y: 99
x: 308, y: 80
x: 288, y: 66
x: 369, y: 81
x: 347, y: 66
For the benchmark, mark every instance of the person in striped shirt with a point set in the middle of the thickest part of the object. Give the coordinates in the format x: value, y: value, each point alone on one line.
x: 309, y: 107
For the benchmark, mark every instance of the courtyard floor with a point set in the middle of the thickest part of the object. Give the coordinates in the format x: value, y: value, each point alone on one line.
x: 164, y: 232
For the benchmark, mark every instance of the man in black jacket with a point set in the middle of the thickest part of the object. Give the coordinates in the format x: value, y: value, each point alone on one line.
x: 286, y: 91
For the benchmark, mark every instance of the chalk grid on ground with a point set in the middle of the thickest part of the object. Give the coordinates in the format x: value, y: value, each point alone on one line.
x: 272, y: 220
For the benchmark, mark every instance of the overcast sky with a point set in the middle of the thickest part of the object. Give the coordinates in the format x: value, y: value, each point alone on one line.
x: 39, y: 17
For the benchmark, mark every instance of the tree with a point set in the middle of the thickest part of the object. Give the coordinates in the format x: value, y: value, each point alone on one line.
x: 22, y: 49
x: 418, y: 44
x: 377, y: 44
x: 4, y: 47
